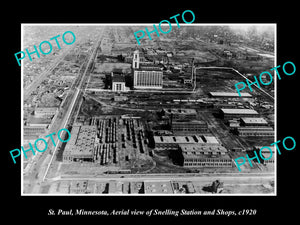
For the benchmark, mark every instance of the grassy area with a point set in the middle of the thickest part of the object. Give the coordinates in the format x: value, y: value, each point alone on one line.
x: 108, y: 67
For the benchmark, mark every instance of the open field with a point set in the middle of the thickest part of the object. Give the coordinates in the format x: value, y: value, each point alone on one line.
x: 108, y: 67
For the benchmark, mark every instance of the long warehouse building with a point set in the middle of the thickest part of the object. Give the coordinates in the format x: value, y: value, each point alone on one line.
x: 205, y: 156
x: 228, y: 114
x: 81, y: 145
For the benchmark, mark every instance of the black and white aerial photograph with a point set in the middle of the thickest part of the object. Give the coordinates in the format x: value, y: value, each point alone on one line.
x: 150, y: 114
x: 108, y: 112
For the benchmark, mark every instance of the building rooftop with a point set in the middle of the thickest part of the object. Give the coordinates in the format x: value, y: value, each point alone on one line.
x: 229, y: 94
x: 115, y: 187
x: 203, y: 151
x: 239, y: 111
x: 158, y: 187
x: 38, y: 120
x: 81, y: 141
x: 211, y: 139
x: 42, y: 127
x: 118, y: 78
x: 254, y: 120
x: 264, y: 128
x: 177, y: 139
x: 186, y: 139
x: 149, y: 68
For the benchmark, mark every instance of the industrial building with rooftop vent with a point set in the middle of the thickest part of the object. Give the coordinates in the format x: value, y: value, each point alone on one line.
x: 253, y: 121
x: 197, y: 155
x: 253, y: 126
x: 228, y: 114
x: 196, y: 151
x: 255, y: 131
x: 172, y: 142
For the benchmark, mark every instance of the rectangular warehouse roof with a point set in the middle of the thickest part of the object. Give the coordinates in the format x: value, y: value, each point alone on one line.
x: 239, y: 111
x: 81, y: 141
x: 200, y: 151
x: 254, y: 120
x: 211, y: 140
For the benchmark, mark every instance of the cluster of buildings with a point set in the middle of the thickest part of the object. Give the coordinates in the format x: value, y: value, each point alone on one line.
x: 146, y: 75
x: 197, y: 151
x: 37, y: 124
x: 189, y: 135
x: 122, y: 187
x: 246, y: 122
x: 95, y: 143
x: 104, y: 138
x: 118, y: 83
x: 205, y: 155
x: 241, y: 119
x: 192, y: 139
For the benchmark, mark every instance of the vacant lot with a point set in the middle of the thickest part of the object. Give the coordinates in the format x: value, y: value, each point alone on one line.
x: 108, y: 67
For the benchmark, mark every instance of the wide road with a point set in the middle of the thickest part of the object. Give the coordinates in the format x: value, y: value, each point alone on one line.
x: 228, y: 179
x: 44, y: 163
x: 75, y: 98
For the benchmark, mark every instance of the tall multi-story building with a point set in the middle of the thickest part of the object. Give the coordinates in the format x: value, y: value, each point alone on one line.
x: 136, y: 60
x: 146, y: 77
